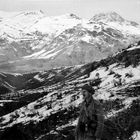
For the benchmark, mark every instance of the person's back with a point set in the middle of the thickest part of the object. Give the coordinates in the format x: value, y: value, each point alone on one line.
x: 91, y: 119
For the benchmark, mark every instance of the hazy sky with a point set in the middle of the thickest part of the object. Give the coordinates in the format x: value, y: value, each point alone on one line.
x: 129, y: 9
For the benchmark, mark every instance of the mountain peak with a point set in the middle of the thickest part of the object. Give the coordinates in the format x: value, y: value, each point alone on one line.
x: 74, y: 16
x: 32, y: 13
x: 71, y: 15
x: 4, y: 14
x: 108, y: 17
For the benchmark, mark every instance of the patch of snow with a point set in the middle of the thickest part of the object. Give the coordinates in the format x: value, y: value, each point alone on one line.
x: 125, y: 28
x: 112, y: 66
x: 133, y: 48
x: 49, y: 55
x: 16, y: 74
x: 136, y: 135
x: 8, y: 85
x: 104, y: 95
x: 1, y: 104
x: 71, y: 123
x: 55, y: 25
x: 43, y: 54
x: 102, y: 73
x: 5, y: 101
x: 107, y: 80
x: 35, y: 54
x: 134, y: 71
x: 38, y: 78
x: 51, y: 75
x: 91, y: 26
x: 3, y: 74
x: 86, y: 38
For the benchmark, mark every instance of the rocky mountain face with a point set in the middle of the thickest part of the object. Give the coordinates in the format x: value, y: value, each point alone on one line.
x: 31, y: 41
x: 46, y: 104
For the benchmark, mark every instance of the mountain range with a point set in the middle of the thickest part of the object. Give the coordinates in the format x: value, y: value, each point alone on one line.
x: 32, y: 41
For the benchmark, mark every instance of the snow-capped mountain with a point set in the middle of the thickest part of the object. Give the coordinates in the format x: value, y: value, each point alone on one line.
x: 111, y: 17
x: 116, y: 21
x: 13, y: 27
x: 31, y: 41
x: 48, y: 102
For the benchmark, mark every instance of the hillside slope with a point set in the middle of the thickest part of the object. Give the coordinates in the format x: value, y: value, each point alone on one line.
x: 47, y: 106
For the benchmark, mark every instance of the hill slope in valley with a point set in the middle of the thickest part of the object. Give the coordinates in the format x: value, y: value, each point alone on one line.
x: 51, y: 99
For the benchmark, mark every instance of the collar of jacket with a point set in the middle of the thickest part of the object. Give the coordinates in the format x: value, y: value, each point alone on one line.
x: 88, y: 101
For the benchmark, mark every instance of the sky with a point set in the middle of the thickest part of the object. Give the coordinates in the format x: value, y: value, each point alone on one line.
x: 129, y: 9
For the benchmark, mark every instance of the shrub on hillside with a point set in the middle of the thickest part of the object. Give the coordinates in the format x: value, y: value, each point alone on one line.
x: 129, y: 75
x: 138, y: 43
x: 14, y: 133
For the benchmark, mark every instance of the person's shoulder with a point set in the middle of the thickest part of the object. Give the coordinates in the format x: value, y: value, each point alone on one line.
x: 97, y: 103
x: 82, y: 104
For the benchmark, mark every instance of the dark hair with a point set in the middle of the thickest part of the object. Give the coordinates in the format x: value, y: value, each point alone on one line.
x: 88, y: 88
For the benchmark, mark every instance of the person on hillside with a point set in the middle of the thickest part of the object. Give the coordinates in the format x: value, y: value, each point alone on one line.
x: 91, y: 120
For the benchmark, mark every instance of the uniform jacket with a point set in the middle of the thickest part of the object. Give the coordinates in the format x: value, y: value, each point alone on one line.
x: 91, y: 120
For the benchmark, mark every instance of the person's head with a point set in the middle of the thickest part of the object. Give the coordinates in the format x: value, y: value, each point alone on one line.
x: 87, y: 91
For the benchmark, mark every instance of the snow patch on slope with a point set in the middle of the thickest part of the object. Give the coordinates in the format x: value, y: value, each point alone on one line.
x: 133, y: 48
x: 125, y: 28
x: 38, y: 78
x: 136, y: 135
x: 43, y: 54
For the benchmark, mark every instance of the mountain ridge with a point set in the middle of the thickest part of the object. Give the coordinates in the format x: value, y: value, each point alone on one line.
x: 39, y: 42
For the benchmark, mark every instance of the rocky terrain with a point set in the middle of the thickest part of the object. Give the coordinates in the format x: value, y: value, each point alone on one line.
x: 46, y: 104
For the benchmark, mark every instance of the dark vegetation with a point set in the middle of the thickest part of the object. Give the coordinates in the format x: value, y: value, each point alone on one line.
x: 122, y: 126
x: 21, y: 101
x: 15, y: 133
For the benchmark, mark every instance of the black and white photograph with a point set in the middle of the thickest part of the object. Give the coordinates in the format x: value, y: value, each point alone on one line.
x: 69, y: 69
